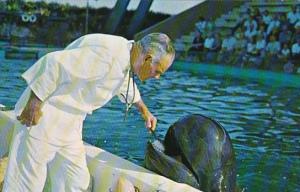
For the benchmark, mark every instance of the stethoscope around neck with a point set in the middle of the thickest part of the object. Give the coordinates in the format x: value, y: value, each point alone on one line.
x: 127, y: 103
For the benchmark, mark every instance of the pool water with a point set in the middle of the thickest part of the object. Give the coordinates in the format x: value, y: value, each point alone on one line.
x: 262, y: 121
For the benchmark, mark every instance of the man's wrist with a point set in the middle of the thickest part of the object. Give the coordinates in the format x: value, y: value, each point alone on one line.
x: 142, y: 108
x: 34, y: 104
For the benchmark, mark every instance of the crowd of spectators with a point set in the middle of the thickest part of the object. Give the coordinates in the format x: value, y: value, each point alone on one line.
x: 261, y: 40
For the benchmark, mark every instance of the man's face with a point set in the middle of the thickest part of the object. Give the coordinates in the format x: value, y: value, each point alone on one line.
x: 149, y: 69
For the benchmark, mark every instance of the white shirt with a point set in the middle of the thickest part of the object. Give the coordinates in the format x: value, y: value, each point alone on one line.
x: 250, y: 22
x: 261, y: 44
x: 250, y: 34
x: 263, y: 33
x: 296, y: 48
x: 297, y: 24
x: 292, y: 17
x: 250, y: 47
x: 241, y: 43
x: 208, y: 43
x: 285, y: 52
x: 77, y: 80
x: 266, y: 19
x: 229, y: 43
x: 273, y: 47
x: 201, y: 25
x: 86, y: 75
x: 273, y: 24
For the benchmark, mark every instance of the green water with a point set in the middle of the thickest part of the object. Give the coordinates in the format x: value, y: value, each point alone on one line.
x: 263, y: 121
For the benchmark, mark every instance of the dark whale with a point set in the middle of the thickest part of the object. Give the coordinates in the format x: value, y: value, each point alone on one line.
x: 197, y: 151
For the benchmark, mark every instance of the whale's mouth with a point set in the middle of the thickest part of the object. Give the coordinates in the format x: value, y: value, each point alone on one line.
x: 158, y: 145
x: 170, y: 166
x: 174, y: 154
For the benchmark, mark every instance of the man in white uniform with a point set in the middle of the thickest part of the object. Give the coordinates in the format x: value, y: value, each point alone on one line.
x: 65, y: 86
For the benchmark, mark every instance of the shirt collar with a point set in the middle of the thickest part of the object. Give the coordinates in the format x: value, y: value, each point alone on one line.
x: 130, y: 44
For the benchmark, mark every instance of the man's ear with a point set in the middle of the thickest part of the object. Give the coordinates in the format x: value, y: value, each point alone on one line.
x: 148, y: 58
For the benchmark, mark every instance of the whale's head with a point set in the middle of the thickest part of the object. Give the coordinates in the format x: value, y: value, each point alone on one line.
x: 197, y: 151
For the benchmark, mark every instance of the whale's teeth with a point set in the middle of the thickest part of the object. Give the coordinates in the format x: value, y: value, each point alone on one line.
x: 158, y: 146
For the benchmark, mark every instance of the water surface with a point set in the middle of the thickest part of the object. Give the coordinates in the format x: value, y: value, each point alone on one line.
x: 263, y: 121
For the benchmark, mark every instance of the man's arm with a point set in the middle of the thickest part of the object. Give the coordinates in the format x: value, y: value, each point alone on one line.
x: 32, y: 111
x: 146, y: 114
x: 42, y: 78
x: 133, y: 95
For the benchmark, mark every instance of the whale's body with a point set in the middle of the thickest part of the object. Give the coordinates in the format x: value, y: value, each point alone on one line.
x: 198, y: 152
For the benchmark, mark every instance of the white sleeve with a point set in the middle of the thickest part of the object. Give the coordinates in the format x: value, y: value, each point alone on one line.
x: 278, y: 47
x: 133, y: 94
x: 224, y: 44
x: 294, y: 49
x: 268, y: 47
x: 43, y: 77
x: 76, y: 43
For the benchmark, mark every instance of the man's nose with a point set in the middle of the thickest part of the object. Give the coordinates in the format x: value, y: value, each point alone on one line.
x: 157, y: 76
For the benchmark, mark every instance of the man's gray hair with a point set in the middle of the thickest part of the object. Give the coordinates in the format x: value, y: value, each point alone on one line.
x: 157, y: 43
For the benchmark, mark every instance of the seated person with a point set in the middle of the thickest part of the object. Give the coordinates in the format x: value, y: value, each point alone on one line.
x: 198, y: 42
x: 251, y: 52
x: 262, y: 31
x: 210, y: 25
x: 250, y: 21
x: 197, y: 45
x: 285, y: 53
x: 292, y: 16
x: 201, y: 24
x: 208, y: 43
x: 274, y: 24
x: 285, y: 36
x: 255, y: 14
x: 296, y: 50
x: 260, y: 47
x: 250, y: 32
x: 214, y: 48
x: 266, y: 17
x: 284, y: 23
x: 288, y: 67
x: 227, y: 48
x: 296, y: 35
x: 297, y: 25
x: 240, y: 50
x: 238, y: 33
x: 272, y: 51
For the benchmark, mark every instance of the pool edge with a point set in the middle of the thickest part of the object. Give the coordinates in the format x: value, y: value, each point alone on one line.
x: 265, y: 77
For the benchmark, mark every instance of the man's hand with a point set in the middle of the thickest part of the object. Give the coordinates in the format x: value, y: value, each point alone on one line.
x: 32, y: 112
x: 150, y: 120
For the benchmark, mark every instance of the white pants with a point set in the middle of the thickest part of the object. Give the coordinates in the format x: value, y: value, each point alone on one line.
x: 31, y: 158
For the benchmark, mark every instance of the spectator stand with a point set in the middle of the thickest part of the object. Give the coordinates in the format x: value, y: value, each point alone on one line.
x: 223, y: 25
x: 233, y: 21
